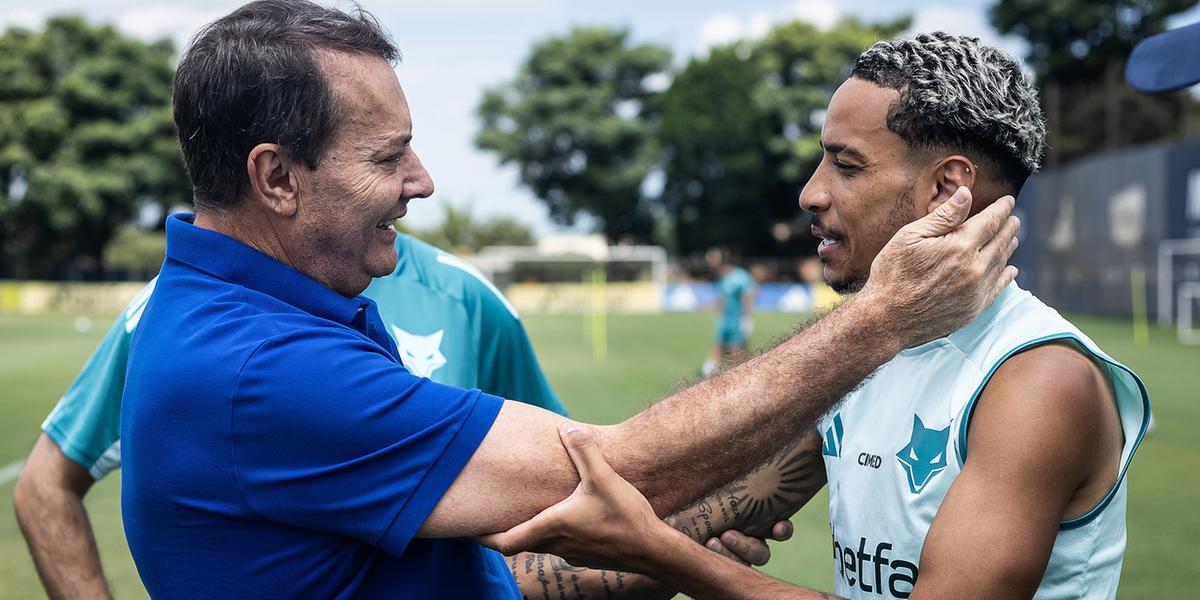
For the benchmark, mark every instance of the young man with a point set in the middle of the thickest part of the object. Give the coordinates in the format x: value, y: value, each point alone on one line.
x: 988, y: 463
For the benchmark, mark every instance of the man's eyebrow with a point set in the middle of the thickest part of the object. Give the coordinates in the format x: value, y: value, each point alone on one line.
x: 835, y: 148
x: 385, y: 142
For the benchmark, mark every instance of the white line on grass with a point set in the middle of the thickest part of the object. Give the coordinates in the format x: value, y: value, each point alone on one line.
x: 10, y: 471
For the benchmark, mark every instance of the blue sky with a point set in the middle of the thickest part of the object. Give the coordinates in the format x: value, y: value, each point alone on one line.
x: 454, y: 49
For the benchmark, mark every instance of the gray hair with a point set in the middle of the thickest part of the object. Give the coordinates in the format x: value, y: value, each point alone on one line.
x: 958, y: 93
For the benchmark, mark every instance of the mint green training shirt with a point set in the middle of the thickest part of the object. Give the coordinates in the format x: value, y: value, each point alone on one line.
x: 449, y: 322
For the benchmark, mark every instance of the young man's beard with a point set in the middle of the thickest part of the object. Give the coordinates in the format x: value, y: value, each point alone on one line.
x: 901, y: 214
x: 849, y: 285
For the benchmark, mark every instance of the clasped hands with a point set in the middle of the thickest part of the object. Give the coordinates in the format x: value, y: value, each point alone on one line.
x: 606, y: 523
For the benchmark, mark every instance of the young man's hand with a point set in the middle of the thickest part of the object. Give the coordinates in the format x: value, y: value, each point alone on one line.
x: 605, y: 523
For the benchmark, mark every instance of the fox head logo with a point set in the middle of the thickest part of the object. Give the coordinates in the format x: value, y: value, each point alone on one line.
x: 421, y: 354
x: 925, y: 454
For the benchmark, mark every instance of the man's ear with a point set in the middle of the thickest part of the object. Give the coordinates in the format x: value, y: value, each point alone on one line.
x: 948, y: 175
x: 273, y: 181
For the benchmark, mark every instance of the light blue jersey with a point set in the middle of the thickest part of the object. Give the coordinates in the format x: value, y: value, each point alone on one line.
x: 86, y: 423
x: 450, y: 324
x: 733, y: 287
x: 895, y: 446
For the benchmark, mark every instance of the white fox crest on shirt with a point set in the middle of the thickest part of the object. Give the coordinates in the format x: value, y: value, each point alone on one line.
x: 422, y: 354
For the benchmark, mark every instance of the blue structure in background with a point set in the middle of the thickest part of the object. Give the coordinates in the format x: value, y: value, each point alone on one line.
x: 1089, y: 225
x: 784, y: 297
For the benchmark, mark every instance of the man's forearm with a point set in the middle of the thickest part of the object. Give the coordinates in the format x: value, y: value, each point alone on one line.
x: 718, y: 429
x: 48, y: 501
x: 548, y: 577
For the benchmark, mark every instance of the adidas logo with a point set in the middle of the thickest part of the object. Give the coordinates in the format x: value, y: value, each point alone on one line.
x: 833, y: 438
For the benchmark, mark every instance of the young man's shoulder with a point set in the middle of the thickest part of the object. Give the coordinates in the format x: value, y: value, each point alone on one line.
x: 1015, y: 321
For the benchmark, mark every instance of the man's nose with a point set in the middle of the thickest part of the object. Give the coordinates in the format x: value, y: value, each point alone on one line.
x: 814, y: 198
x: 419, y: 183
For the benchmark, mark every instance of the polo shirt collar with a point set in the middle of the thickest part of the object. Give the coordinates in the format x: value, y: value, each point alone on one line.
x: 235, y: 262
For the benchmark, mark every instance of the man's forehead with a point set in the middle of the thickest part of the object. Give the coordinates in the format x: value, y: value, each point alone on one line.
x: 370, y: 95
x: 857, y: 116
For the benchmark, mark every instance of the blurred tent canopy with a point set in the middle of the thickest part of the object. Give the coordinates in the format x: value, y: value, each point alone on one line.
x: 462, y: 232
x: 600, y: 127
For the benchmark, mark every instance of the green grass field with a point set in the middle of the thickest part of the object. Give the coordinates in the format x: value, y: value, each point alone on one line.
x: 648, y: 357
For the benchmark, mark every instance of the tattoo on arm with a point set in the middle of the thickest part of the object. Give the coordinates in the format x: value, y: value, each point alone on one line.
x: 753, y: 504
x: 549, y: 577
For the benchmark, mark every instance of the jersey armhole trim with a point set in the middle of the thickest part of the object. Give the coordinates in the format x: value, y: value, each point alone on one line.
x: 969, y: 410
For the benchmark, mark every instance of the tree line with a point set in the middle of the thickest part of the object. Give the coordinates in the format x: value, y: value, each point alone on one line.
x: 708, y: 153
x: 718, y: 157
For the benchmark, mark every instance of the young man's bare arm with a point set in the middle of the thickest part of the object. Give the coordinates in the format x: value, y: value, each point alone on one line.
x: 48, y: 500
x: 549, y: 577
x: 756, y: 502
x: 921, y: 286
x: 607, y: 522
x: 1044, y: 446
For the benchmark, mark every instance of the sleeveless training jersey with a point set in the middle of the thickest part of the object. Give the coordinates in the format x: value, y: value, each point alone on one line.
x: 449, y: 323
x: 895, y: 446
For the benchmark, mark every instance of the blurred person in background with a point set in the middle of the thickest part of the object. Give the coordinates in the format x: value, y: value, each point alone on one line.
x: 735, y: 303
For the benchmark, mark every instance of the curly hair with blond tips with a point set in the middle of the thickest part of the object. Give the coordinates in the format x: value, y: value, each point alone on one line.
x: 959, y: 94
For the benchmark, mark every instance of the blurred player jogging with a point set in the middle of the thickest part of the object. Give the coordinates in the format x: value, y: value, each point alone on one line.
x: 735, y: 299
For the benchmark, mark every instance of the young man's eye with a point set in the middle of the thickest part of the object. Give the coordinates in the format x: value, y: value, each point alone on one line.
x: 841, y: 166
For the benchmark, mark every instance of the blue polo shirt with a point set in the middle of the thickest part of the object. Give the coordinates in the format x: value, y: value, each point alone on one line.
x: 274, y: 445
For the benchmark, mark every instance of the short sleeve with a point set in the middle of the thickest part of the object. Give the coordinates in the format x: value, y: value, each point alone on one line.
x: 86, y: 423
x: 331, y: 434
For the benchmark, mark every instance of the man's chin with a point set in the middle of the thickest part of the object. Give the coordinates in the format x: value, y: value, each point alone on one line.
x: 846, y: 285
x: 384, y: 265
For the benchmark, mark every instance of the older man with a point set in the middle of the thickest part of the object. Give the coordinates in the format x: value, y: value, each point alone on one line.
x: 275, y: 444
x: 450, y: 325
x: 1036, y: 508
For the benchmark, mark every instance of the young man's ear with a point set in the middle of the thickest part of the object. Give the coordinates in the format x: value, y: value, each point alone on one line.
x: 273, y: 182
x: 949, y: 174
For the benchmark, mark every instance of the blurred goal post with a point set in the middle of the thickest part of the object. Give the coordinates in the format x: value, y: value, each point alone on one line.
x: 579, y: 275
x: 1179, y: 292
x: 565, y: 275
